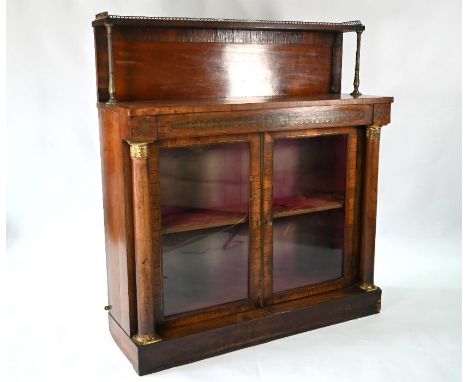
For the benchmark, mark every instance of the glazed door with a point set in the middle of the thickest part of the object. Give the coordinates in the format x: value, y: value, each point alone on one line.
x: 308, y: 211
x: 250, y: 220
x: 209, y: 198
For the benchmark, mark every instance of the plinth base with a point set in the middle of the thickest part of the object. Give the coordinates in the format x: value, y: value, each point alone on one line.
x: 209, y: 338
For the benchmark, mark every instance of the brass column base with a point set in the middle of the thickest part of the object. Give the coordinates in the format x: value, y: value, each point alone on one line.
x: 145, y: 339
x: 368, y: 287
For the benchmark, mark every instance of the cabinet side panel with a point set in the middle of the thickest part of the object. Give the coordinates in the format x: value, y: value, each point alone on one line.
x: 117, y: 234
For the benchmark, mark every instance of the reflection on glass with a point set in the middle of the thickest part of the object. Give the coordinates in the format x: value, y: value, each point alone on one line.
x: 309, y: 185
x: 205, y: 268
x: 204, y: 194
x: 310, y: 166
x: 204, y: 186
x: 307, y: 249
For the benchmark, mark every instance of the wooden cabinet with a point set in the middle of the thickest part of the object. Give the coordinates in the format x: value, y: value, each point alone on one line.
x: 239, y: 184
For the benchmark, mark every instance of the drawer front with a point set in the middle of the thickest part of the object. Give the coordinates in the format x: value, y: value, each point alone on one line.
x: 235, y: 122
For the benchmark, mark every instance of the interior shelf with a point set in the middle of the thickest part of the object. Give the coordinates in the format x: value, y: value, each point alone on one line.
x: 297, y: 205
x: 191, y: 219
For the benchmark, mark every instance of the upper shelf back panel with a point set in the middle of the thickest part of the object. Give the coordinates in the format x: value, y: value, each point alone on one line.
x: 176, y: 59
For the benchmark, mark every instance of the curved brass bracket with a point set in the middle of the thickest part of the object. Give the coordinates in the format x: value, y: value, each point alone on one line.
x: 368, y: 287
x: 146, y: 339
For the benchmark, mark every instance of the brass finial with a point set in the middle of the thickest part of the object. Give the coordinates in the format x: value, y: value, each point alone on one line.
x: 102, y: 15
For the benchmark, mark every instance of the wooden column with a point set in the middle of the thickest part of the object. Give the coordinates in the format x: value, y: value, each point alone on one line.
x: 143, y: 245
x: 267, y: 217
x: 369, y: 208
x: 255, y: 254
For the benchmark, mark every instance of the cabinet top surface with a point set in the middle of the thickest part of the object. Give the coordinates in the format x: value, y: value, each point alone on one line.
x: 347, y: 26
x: 140, y: 108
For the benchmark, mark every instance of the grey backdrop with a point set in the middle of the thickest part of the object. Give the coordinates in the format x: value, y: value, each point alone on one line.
x: 56, y: 263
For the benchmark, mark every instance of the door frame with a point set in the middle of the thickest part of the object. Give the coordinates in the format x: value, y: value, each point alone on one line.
x: 254, y: 257
x: 267, y: 214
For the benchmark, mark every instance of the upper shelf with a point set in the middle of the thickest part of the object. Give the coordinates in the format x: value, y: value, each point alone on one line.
x: 151, y: 58
x: 347, y: 26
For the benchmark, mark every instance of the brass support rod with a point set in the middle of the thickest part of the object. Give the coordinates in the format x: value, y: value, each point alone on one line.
x: 110, y: 58
x: 356, y: 92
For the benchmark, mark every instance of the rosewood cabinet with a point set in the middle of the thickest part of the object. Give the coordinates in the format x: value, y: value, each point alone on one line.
x: 239, y: 184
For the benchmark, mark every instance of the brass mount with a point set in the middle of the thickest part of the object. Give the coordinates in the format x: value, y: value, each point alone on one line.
x: 146, y: 339
x: 139, y: 150
x: 368, y: 287
x: 373, y: 132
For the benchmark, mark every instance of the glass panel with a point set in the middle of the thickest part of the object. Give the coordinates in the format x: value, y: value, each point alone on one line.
x: 205, y: 268
x: 204, y: 186
x: 309, y: 185
x: 204, y: 193
x: 307, y: 249
x: 309, y: 167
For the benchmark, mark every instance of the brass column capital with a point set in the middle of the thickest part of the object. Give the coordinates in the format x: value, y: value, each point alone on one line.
x: 139, y: 150
x: 373, y: 132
